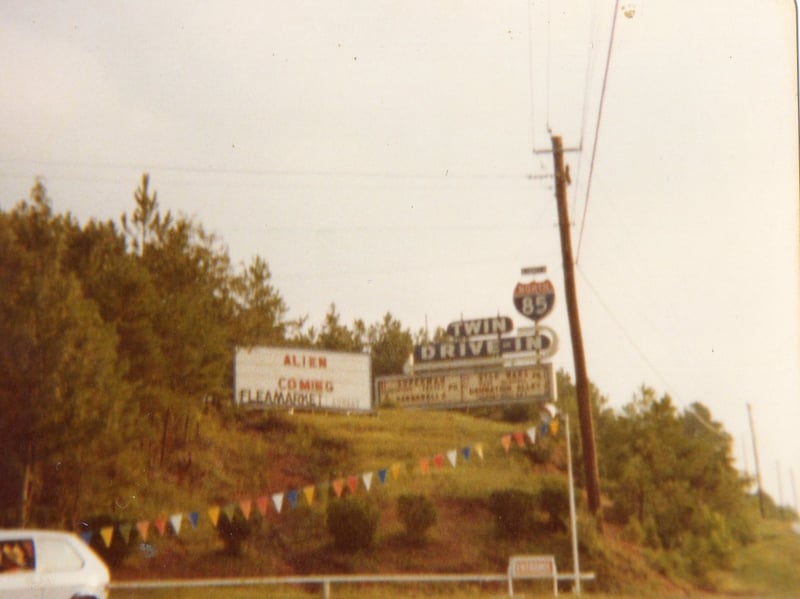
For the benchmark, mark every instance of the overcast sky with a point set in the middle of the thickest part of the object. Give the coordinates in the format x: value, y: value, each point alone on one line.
x: 383, y: 156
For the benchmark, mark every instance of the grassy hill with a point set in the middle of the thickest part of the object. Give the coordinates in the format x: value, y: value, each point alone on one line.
x: 241, y: 468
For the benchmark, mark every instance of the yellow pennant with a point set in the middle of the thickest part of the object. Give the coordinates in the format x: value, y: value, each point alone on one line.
x: 107, y: 532
x: 395, y: 470
x: 554, y: 427
x: 213, y: 513
x: 479, y: 450
x: 308, y: 492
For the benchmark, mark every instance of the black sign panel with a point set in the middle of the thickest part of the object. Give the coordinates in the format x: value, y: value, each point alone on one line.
x: 534, y: 300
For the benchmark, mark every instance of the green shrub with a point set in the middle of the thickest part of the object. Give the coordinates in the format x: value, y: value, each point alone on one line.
x: 418, y: 514
x: 118, y: 550
x: 514, y: 512
x: 234, y: 531
x: 553, y: 499
x: 353, y: 523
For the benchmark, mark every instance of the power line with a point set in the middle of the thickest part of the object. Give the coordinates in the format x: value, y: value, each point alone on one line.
x: 622, y: 328
x: 597, y: 130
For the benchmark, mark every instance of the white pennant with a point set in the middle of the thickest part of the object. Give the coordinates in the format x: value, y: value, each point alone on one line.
x: 451, y: 457
x: 532, y: 434
x: 277, y: 501
x: 367, y: 479
x: 176, y: 520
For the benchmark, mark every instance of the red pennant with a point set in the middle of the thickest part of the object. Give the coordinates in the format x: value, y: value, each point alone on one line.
x: 161, y: 525
x: 438, y: 460
x: 352, y: 484
x: 519, y: 437
x: 261, y: 504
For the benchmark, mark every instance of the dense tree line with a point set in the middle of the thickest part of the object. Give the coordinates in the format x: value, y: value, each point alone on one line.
x: 115, y: 335
x: 669, y: 479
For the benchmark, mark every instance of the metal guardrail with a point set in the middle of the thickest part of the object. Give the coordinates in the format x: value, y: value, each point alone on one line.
x: 326, y: 580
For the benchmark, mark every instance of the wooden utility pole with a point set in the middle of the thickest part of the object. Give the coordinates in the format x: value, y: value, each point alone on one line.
x: 581, y: 377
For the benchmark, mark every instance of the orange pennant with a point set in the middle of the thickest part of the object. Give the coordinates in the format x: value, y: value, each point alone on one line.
x: 143, y: 526
x: 506, y: 441
x: 338, y: 487
x: 424, y: 465
x: 246, y: 506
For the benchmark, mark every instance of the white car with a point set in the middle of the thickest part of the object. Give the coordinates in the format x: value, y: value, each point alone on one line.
x: 45, y: 564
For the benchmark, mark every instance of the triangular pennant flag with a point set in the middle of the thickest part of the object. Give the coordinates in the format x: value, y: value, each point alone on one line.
x: 246, y: 506
x: 479, y: 450
x: 544, y: 428
x: 143, y: 526
x: 338, y: 487
x: 519, y: 437
x: 438, y: 460
x: 291, y: 496
x: 125, y: 531
x: 86, y: 536
x: 161, y: 525
x: 395, y: 470
x: 352, y: 484
x: 308, y: 492
x: 175, y: 520
x: 229, y: 510
x: 531, y: 432
x: 554, y: 427
x: 424, y: 465
x: 107, y: 532
x: 261, y: 504
x: 213, y: 513
x: 451, y: 457
x: 366, y: 478
x: 382, y: 475
x: 466, y: 452
x: 277, y: 501
x: 194, y: 518
x: 506, y: 442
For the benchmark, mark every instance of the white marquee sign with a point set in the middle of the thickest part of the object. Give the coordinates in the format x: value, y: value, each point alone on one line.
x: 293, y: 378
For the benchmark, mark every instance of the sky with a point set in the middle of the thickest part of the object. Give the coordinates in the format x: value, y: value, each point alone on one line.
x: 388, y: 156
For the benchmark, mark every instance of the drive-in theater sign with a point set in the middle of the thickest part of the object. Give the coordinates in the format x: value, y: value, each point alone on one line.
x: 480, y: 364
x: 292, y: 378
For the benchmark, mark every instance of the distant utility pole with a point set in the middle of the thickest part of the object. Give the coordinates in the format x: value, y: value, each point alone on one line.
x: 581, y: 377
x: 758, y: 467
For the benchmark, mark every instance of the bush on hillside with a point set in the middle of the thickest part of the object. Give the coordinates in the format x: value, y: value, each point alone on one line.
x: 553, y: 499
x: 514, y: 512
x: 353, y: 524
x: 234, y: 531
x: 119, y: 548
x: 418, y: 514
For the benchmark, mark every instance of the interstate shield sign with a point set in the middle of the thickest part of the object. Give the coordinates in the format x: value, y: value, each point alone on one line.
x: 535, y: 299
